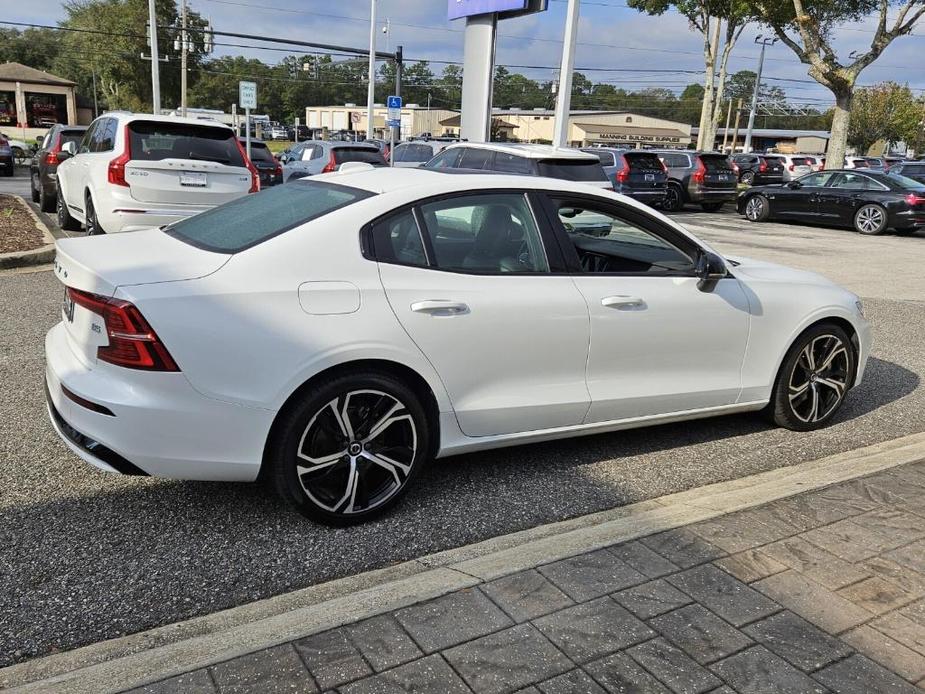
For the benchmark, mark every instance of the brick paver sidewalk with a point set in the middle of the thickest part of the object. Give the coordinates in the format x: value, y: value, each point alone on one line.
x: 822, y: 592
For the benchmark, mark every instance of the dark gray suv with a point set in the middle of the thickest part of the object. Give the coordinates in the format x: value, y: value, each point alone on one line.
x: 704, y: 178
x: 44, y: 167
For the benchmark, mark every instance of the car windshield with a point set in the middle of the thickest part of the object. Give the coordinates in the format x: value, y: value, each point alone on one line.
x: 253, y: 219
x: 157, y: 140
x: 572, y: 169
x: 364, y: 154
x: 906, y: 183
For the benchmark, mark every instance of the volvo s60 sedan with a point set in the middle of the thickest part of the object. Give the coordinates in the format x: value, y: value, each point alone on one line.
x: 334, y: 335
x: 869, y: 201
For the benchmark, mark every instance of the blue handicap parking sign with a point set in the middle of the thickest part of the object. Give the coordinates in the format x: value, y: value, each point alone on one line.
x: 394, y: 102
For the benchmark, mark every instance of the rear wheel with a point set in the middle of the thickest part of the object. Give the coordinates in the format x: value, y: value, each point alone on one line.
x: 870, y: 220
x: 814, y: 378
x: 747, y: 178
x: 93, y: 224
x: 757, y: 209
x: 65, y: 220
x: 674, y: 199
x: 46, y: 203
x: 32, y: 187
x: 711, y: 206
x: 351, y: 448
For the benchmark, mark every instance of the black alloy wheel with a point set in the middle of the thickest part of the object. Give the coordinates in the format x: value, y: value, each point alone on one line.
x: 33, y: 179
x: 93, y: 224
x: 674, y: 199
x: 65, y: 220
x: 870, y: 220
x: 757, y: 208
x: 748, y: 178
x: 814, y: 378
x: 350, y: 450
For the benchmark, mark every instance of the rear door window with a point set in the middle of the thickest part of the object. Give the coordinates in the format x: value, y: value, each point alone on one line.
x: 253, y: 219
x: 716, y: 164
x: 366, y: 155
x: 413, y: 153
x: 511, y: 163
x: 260, y: 152
x: 158, y: 140
x: 447, y: 159
x: 606, y: 158
x: 571, y: 169
x: 474, y: 158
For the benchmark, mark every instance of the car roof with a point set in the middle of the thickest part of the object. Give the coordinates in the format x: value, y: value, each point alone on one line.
x: 340, y: 143
x: 529, y: 151
x: 128, y: 115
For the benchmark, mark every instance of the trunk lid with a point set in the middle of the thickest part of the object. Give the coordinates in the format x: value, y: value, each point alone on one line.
x: 186, y: 181
x: 645, y: 171
x: 719, y: 172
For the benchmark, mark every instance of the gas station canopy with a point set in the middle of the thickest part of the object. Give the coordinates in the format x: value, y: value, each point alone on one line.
x: 457, y: 9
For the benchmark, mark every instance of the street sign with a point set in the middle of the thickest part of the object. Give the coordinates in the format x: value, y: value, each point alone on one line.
x: 354, y: 117
x: 393, y: 103
x: 393, y: 122
x: 247, y: 94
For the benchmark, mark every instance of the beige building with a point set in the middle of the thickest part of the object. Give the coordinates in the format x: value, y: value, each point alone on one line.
x: 415, y: 120
x: 588, y: 128
x: 32, y: 101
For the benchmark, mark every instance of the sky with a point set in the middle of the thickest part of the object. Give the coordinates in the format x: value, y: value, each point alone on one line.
x: 610, y: 36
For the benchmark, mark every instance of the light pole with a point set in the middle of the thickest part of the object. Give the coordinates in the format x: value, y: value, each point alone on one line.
x: 371, y: 93
x: 564, y: 96
x: 764, y: 42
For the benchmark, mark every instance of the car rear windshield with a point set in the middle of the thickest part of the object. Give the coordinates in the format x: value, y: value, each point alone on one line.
x: 413, y: 153
x: 260, y: 152
x: 906, y: 183
x: 364, y: 154
x: 253, y: 219
x: 643, y: 161
x: 74, y: 136
x: 800, y: 161
x: 157, y: 140
x: 915, y: 169
x: 572, y: 169
x: 773, y: 161
x: 715, y: 163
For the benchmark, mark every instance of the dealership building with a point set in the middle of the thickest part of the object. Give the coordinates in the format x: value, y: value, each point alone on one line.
x: 351, y: 118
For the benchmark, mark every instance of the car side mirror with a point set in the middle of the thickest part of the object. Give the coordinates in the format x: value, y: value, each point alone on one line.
x: 794, y: 185
x: 710, y: 269
x: 70, y: 148
x: 39, y: 139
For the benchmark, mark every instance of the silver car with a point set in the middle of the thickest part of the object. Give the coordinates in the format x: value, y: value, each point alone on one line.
x: 323, y: 156
x: 795, y: 166
x: 414, y: 154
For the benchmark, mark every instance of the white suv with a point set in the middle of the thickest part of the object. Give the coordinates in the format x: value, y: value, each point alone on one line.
x: 135, y: 171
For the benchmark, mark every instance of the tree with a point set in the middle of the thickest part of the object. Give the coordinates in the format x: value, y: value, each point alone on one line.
x: 741, y: 85
x: 36, y: 48
x: 707, y: 17
x: 808, y: 28
x: 887, y: 112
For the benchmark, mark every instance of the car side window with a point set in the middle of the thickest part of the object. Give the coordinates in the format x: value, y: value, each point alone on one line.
x: 511, y: 163
x: 608, y: 241
x: 85, y: 143
x: 397, y: 239
x: 853, y: 181
x: 474, y: 158
x: 317, y: 151
x: 493, y: 233
x: 816, y: 180
x: 306, y: 153
x: 106, y: 138
x: 447, y: 159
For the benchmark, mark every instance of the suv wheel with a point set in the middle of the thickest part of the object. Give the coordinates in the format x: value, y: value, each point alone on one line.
x: 350, y: 449
x: 748, y: 178
x: 92, y: 223
x: 814, y: 378
x: 33, y: 189
x: 65, y: 220
x: 674, y: 199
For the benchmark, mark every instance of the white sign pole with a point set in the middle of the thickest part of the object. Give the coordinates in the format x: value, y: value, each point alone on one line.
x: 371, y: 94
x: 247, y: 129
x: 564, y: 97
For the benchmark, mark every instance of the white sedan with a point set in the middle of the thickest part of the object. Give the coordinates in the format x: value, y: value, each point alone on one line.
x: 334, y: 334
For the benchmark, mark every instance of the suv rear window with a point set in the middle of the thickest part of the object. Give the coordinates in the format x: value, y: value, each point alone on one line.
x: 800, y: 161
x: 715, y: 163
x: 157, y: 140
x: 367, y: 155
x: 260, y: 152
x: 643, y: 161
x: 74, y: 136
x: 253, y: 219
x: 571, y: 169
x: 413, y: 153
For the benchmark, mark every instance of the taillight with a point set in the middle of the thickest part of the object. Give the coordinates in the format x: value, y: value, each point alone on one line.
x: 664, y: 166
x: 791, y: 167
x: 255, y: 177
x: 622, y: 176
x: 132, y: 342
x: 51, y: 156
x: 700, y: 174
x: 914, y: 199
x: 735, y: 168
x: 331, y: 165
x: 763, y: 166
x: 278, y: 171
x: 116, y: 170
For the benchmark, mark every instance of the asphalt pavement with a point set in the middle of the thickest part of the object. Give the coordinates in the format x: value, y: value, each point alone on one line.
x: 86, y: 556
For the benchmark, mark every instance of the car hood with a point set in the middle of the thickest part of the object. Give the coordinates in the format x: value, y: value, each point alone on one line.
x: 760, y: 270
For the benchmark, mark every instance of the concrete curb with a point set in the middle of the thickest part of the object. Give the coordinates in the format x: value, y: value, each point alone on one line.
x: 131, y: 661
x: 37, y: 256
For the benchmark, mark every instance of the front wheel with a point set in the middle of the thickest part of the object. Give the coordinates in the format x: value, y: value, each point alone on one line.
x: 93, y: 224
x: 32, y: 187
x: 870, y: 220
x: 351, y: 448
x: 757, y: 209
x: 65, y: 220
x: 814, y: 378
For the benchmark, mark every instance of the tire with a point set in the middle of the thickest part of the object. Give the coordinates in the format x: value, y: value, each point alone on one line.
x: 65, y: 220
x: 92, y: 223
x: 674, y: 198
x: 906, y: 232
x: 32, y: 189
x: 814, y: 378
x: 316, y: 426
x: 870, y: 220
x: 711, y: 206
x: 757, y: 209
x: 19, y: 157
x: 46, y: 202
x: 748, y: 178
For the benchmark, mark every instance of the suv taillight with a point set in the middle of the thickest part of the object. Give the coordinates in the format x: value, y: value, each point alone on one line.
x: 132, y: 342
x: 622, y: 176
x: 51, y: 156
x: 791, y: 167
x: 255, y: 176
x: 763, y: 166
x: 331, y: 165
x: 116, y: 171
x: 700, y: 173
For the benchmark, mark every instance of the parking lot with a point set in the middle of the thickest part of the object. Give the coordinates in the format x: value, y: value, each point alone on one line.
x: 90, y: 556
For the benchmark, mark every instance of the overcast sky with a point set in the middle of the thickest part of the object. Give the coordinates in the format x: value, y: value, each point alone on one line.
x: 610, y: 35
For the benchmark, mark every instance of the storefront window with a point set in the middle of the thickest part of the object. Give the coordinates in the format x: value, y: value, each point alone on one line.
x: 7, y: 108
x: 45, y: 110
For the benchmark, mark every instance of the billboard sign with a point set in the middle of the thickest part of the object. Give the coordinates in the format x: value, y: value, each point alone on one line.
x: 456, y: 9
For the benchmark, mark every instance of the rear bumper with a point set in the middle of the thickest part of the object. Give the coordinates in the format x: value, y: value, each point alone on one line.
x: 134, y: 216
x: 649, y: 197
x: 910, y: 219
x: 156, y: 424
x: 697, y: 194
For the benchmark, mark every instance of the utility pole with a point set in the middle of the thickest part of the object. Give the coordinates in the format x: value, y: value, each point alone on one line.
x: 371, y: 93
x: 155, y: 60
x: 764, y: 42
x: 564, y: 96
x: 184, y: 46
x: 96, y: 110
x: 735, y: 133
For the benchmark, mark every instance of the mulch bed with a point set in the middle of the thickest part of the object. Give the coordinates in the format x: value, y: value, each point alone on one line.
x: 17, y: 227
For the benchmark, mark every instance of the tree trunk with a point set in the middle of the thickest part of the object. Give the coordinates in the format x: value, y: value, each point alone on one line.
x: 710, y: 50
x: 835, y: 153
x: 713, y: 123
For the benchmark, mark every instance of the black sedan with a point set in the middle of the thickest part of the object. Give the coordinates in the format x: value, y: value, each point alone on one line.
x: 869, y: 201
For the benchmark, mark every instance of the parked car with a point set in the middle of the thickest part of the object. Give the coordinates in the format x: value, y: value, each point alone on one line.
x: 532, y: 160
x: 870, y: 202
x: 634, y: 172
x: 875, y: 164
x: 435, y: 315
x: 269, y: 169
x: 704, y: 178
x: 323, y: 156
x: 795, y: 166
x: 816, y: 161
x: 758, y: 169
x: 7, y: 162
x: 295, y: 134
x: 135, y: 171
x: 21, y: 151
x: 415, y: 153
x: 857, y: 163
x: 910, y: 169
x: 43, y: 169
x: 890, y: 162
x: 278, y: 132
